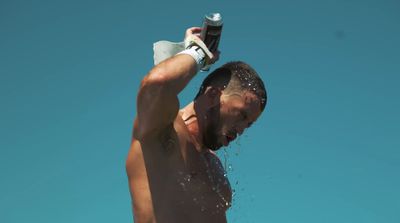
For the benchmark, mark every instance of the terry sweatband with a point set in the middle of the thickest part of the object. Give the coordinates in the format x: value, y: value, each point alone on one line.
x: 197, y: 54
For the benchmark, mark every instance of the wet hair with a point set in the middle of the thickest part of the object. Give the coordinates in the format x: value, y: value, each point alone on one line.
x: 236, y: 76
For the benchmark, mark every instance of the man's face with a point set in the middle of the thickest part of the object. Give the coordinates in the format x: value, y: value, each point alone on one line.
x: 230, y: 118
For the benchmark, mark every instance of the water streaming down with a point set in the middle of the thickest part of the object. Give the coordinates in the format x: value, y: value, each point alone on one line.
x: 237, y: 151
x: 229, y: 167
x: 189, y: 183
x: 225, y: 156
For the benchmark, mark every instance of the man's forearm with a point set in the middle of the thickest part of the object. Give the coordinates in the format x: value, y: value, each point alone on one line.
x: 174, y: 73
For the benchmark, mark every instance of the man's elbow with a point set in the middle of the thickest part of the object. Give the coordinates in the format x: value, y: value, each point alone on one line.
x: 156, y: 77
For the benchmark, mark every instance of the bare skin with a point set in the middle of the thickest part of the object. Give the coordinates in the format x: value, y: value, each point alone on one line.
x: 173, y: 176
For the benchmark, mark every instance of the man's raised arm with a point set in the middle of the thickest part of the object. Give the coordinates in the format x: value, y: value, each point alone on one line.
x: 157, y: 100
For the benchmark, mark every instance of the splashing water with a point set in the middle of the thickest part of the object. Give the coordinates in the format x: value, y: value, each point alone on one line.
x: 238, y: 141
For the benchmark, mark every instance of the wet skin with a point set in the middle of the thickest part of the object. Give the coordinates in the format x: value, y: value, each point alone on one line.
x: 174, y: 176
x: 175, y: 182
x: 178, y: 182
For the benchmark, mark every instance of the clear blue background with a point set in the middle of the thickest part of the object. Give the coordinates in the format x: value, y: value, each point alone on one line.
x: 325, y: 150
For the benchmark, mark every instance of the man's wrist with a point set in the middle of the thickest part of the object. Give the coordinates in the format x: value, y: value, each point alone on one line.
x: 197, y: 54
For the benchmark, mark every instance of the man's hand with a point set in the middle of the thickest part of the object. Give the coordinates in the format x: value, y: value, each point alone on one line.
x: 193, y: 31
x: 193, y: 34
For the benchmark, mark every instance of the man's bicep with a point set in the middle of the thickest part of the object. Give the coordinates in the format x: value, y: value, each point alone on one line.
x: 155, y: 109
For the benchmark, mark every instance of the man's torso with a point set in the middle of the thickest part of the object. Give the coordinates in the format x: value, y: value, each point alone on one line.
x: 173, y: 182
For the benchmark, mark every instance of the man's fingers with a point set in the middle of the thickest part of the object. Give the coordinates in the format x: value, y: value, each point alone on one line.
x: 194, y: 34
x: 193, y: 31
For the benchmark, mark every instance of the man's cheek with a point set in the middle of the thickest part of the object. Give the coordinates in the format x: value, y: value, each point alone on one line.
x: 224, y: 130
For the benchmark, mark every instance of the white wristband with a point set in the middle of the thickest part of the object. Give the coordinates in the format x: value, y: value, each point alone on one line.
x: 197, y: 54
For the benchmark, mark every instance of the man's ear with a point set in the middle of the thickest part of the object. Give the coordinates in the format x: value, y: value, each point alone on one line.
x: 213, y: 95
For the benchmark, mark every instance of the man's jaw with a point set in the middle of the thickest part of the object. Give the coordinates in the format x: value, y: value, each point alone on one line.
x: 229, y: 137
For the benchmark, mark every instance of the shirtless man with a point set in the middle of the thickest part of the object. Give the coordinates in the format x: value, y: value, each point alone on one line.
x: 174, y: 175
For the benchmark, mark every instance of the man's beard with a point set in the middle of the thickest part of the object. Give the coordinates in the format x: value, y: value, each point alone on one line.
x: 211, y: 133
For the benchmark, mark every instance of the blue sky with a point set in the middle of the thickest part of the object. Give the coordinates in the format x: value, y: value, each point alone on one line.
x: 326, y: 149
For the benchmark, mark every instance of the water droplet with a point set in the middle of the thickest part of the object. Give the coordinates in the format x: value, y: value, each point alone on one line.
x: 187, y: 178
x: 183, y: 186
x: 225, y: 158
x: 238, y: 141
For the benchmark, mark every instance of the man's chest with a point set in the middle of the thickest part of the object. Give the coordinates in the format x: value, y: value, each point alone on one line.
x: 205, y: 182
x: 179, y: 172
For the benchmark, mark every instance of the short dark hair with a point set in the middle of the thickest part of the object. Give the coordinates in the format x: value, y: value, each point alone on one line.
x: 236, y: 76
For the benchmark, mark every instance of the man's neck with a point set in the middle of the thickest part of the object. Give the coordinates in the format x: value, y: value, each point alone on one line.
x: 190, y: 117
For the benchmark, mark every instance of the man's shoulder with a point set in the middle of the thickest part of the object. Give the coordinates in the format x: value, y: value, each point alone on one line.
x: 179, y: 123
